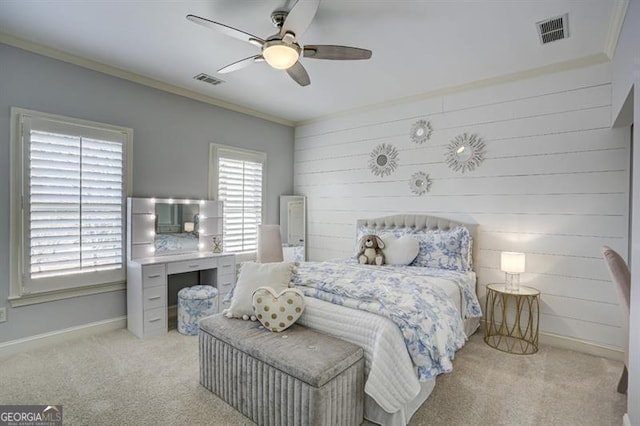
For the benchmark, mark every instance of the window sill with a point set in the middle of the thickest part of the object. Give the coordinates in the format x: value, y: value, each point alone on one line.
x: 32, y: 299
x: 245, y: 256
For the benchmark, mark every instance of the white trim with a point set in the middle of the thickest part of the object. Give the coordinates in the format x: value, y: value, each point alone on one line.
x: 50, y: 296
x: 615, y: 27
x: 581, y: 346
x: 17, y: 295
x: 15, y: 206
x: 13, y: 347
x: 251, y: 154
x: 247, y: 256
x: 625, y: 420
x: 576, y: 345
x: 242, y: 154
x: 136, y: 78
x: 156, y: 84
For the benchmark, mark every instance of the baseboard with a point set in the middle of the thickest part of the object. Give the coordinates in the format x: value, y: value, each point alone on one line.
x: 577, y: 345
x: 625, y: 420
x: 41, y: 340
x: 581, y: 346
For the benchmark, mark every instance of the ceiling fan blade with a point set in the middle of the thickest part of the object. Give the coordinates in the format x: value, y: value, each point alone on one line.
x: 339, y: 53
x: 299, y: 74
x: 242, y: 63
x: 227, y: 30
x: 300, y: 17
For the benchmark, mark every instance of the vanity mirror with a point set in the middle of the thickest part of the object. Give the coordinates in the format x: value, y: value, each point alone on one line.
x: 292, y: 227
x: 172, y: 226
x: 173, y: 218
x: 177, y: 226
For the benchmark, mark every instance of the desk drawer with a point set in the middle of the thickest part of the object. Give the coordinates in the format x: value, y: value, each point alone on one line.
x: 155, y: 297
x: 155, y: 319
x: 153, y: 275
x: 227, y: 265
x: 225, y: 284
x: 191, y: 265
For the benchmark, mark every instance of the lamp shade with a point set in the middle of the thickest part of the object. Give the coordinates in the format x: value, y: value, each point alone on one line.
x: 189, y: 226
x: 512, y: 262
x: 269, y: 244
x: 280, y: 55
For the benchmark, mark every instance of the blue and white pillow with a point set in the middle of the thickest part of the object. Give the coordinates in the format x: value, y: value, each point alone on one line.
x: 444, y: 249
x: 439, y: 249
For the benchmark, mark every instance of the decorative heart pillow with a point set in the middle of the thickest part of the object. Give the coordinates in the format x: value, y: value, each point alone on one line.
x: 399, y: 251
x: 277, y: 312
x: 252, y: 276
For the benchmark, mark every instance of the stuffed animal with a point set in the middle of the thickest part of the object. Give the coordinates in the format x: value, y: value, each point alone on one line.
x: 371, y: 250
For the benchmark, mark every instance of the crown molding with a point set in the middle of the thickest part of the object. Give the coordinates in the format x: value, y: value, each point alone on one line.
x: 136, y: 78
x: 614, y: 32
x: 479, y: 84
x: 615, y: 27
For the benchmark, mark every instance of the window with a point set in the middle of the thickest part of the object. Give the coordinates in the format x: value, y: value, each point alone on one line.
x: 68, y: 204
x: 237, y: 179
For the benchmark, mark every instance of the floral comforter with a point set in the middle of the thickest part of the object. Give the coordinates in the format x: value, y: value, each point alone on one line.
x: 429, y: 321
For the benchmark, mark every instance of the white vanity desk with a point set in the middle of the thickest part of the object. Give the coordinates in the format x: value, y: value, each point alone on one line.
x: 148, y: 272
x: 147, y: 282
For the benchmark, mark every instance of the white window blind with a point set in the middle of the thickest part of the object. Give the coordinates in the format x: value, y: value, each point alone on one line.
x: 74, y: 202
x: 240, y: 187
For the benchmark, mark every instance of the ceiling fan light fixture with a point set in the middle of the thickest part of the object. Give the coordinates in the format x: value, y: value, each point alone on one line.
x: 280, y: 55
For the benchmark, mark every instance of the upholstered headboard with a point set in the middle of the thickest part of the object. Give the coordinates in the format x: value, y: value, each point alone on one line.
x: 419, y: 222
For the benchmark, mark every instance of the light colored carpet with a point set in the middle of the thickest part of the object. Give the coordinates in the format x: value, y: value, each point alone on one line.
x: 117, y: 379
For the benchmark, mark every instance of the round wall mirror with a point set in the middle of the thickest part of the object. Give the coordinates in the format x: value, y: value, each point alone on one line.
x: 465, y: 152
x: 420, y: 183
x: 421, y: 131
x: 383, y: 160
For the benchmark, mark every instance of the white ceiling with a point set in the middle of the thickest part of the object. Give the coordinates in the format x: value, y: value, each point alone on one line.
x: 418, y: 46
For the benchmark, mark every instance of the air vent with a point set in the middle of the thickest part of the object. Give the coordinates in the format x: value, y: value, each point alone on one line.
x: 208, y: 79
x: 553, y: 29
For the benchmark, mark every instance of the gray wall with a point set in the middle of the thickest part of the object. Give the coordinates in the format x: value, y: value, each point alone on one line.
x: 170, y: 158
x: 626, y: 109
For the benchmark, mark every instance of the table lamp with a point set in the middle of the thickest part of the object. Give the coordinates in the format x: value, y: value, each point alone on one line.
x: 512, y: 264
x: 189, y: 226
x: 269, y: 244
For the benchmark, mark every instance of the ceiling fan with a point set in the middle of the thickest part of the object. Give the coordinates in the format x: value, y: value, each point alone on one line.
x: 282, y: 49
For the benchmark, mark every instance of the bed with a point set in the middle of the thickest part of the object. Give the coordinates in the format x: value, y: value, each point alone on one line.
x: 400, y: 365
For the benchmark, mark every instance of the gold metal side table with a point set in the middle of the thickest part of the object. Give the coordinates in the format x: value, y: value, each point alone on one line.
x: 520, y: 309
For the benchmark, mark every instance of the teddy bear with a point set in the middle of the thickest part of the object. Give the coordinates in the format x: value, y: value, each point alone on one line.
x: 370, y: 252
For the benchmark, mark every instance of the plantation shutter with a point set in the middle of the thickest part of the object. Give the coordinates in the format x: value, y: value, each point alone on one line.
x: 74, y: 214
x: 240, y: 188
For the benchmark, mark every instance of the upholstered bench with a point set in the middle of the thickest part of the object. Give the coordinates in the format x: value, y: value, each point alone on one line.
x: 296, y: 377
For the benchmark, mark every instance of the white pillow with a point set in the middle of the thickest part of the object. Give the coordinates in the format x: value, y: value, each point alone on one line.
x: 254, y: 275
x: 399, y: 251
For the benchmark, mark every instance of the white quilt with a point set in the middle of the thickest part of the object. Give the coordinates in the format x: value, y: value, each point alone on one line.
x: 391, y: 379
x: 390, y: 376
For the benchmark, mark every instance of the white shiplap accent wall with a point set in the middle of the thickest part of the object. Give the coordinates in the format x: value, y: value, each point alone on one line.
x: 554, y: 185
